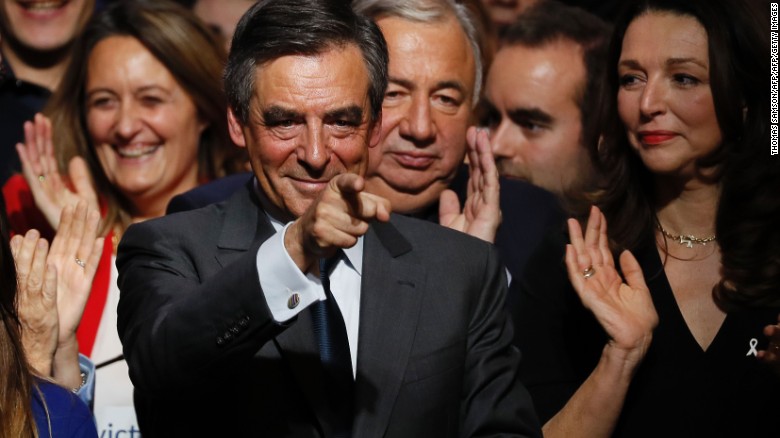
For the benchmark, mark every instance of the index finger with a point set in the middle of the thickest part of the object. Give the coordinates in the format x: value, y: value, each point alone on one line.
x: 362, y: 205
x: 349, y: 183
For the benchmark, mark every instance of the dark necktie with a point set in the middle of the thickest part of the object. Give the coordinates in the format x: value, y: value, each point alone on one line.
x: 331, y: 334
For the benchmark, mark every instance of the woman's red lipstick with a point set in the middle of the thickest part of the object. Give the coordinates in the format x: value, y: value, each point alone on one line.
x: 656, y: 137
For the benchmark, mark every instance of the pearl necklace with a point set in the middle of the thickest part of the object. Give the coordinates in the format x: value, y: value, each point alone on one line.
x: 687, y: 240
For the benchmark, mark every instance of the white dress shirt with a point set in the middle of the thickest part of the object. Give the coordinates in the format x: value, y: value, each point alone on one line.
x: 280, y: 278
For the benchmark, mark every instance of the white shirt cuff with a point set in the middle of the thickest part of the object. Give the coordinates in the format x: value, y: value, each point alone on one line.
x: 281, y: 280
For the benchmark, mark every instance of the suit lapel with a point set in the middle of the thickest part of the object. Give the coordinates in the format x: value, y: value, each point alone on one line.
x: 391, y: 294
x: 244, y: 216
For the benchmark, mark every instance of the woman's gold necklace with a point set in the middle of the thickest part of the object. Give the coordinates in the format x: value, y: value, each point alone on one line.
x: 686, y: 239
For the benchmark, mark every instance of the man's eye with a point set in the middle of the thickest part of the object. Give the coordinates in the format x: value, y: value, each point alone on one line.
x: 448, y: 100
x: 531, y: 126
x: 281, y: 123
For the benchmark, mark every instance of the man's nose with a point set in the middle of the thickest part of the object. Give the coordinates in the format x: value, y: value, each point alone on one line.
x: 314, y: 150
x: 418, y: 124
x: 498, y: 140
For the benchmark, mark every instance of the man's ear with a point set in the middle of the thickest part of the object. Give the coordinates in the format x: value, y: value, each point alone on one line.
x: 375, y: 131
x: 235, y: 129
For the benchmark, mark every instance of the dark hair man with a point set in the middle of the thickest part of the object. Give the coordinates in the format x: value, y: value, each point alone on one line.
x: 542, y: 92
x: 300, y: 306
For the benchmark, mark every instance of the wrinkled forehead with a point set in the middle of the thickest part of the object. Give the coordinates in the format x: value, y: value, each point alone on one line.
x: 336, y: 78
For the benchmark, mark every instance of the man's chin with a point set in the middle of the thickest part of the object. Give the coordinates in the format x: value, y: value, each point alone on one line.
x: 409, y: 186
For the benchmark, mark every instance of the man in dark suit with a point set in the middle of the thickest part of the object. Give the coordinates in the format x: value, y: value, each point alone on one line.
x: 424, y: 137
x: 243, y: 318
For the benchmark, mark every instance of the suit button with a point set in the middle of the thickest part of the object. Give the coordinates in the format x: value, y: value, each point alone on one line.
x: 293, y: 301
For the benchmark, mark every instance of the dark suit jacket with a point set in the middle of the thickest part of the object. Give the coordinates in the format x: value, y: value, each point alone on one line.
x: 434, y: 349
x: 209, y: 193
x: 528, y: 212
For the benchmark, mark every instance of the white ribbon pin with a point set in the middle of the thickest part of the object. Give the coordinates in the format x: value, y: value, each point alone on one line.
x: 753, y: 344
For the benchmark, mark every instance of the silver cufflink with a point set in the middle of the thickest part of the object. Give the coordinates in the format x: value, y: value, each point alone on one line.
x: 293, y: 301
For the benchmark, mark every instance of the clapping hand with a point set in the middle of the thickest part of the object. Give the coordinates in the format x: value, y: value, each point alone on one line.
x: 771, y: 355
x: 52, y: 299
x: 481, y: 214
x: 75, y: 252
x: 37, y: 299
x: 39, y: 166
x: 624, y: 309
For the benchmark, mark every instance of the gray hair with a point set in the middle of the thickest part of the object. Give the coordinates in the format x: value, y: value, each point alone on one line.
x: 430, y: 11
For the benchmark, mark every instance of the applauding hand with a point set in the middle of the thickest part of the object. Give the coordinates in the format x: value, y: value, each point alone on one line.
x: 481, y: 214
x: 54, y: 287
x: 624, y: 309
x: 771, y: 355
x: 51, y: 190
x: 37, y: 299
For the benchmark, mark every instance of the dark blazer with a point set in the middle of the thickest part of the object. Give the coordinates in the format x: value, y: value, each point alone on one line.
x: 434, y: 349
x: 528, y: 212
x: 210, y: 193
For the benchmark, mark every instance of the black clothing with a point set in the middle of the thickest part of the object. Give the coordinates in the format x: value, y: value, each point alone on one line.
x: 19, y: 101
x: 678, y: 391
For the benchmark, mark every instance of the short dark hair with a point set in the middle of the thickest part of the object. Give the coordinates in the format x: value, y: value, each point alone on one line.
x: 271, y: 29
x: 549, y: 22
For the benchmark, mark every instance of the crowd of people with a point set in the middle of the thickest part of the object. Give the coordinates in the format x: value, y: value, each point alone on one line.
x: 388, y: 218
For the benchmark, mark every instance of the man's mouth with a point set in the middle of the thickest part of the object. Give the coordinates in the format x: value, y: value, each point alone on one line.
x: 414, y: 161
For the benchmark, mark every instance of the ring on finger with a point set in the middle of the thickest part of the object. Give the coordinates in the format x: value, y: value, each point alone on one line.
x: 590, y: 272
x: 81, y: 263
x: 41, y: 177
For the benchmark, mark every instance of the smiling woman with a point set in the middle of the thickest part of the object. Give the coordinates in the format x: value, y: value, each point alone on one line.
x: 44, y: 25
x: 144, y: 127
x: 149, y: 117
x: 139, y: 118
